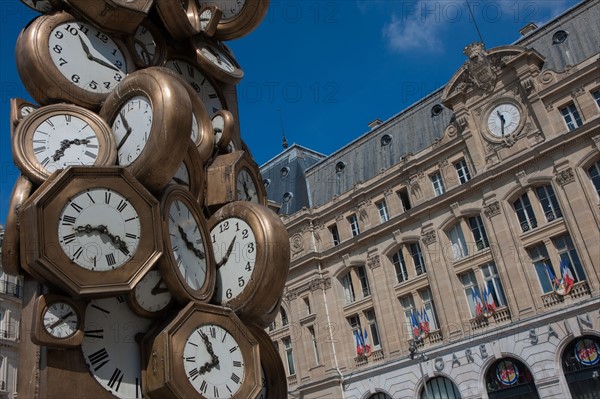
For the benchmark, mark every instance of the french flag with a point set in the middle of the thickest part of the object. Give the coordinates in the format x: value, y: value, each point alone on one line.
x: 489, y: 300
x: 567, y: 276
x: 424, y: 321
x: 366, y: 344
x: 553, y: 278
x: 360, y: 349
x: 415, y: 324
x: 478, y: 302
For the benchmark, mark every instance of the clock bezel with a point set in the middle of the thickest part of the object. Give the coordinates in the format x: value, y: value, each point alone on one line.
x: 490, y: 110
x: 40, y: 244
x: 234, y: 77
x: 42, y: 79
x: 23, y: 152
x: 139, y: 310
x: 112, y: 15
x: 161, y: 45
x: 39, y: 334
x: 249, y: 18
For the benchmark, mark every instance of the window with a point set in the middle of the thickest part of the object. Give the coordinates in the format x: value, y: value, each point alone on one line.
x: 429, y: 308
x: 307, y: 305
x: 596, y: 95
x: 364, y: 282
x: 340, y: 167
x: 386, y: 139
x: 543, y: 267
x: 492, y: 283
x: 404, y: 198
x: 440, y: 387
x: 353, y: 220
x: 525, y: 213
x: 284, y: 318
x: 479, y: 234
x: 417, y: 256
x: 284, y: 172
x: 335, y: 235
x: 408, y: 305
x: 581, y: 367
x: 463, y: 171
x: 400, y: 266
x: 594, y: 172
x: 459, y: 245
x: 438, y: 184
x: 383, y: 212
x: 571, y: 116
x: 287, y: 343
x: 348, y: 288
x: 559, y: 37
x: 509, y: 378
x: 549, y: 202
x: 568, y: 256
x: 315, y: 344
x: 354, y: 323
x: 469, y: 283
x: 373, y: 337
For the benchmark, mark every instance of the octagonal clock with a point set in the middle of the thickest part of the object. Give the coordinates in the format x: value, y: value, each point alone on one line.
x: 91, y: 231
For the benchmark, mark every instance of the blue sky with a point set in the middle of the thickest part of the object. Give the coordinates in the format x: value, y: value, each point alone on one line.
x: 324, y: 68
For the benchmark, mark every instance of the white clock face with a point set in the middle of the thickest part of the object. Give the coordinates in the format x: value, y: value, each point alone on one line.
x: 63, y: 140
x: 187, y: 245
x: 182, y: 176
x: 144, y: 44
x: 219, y: 58
x: 234, y: 247
x: 504, y: 120
x: 60, y: 320
x: 205, y: 18
x: 218, y: 125
x: 111, y: 346
x: 246, y: 189
x: 131, y: 128
x: 99, y: 229
x: 42, y: 6
x: 25, y: 110
x: 151, y: 293
x: 87, y: 57
x: 195, y: 129
x: 230, y: 8
x: 213, y: 362
x: 203, y: 88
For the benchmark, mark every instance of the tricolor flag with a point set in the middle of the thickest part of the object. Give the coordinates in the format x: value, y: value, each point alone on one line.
x: 366, y: 344
x: 489, y: 300
x: 424, y: 321
x: 478, y: 302
x: 567, y: 276
x: 360, y: 349
x: 415, y: 324
x: 553, y: 278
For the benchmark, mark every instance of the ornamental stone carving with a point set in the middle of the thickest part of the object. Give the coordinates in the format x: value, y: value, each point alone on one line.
x: 290, y: 294
x: 373, y: 261
x: 296, y: 244
x: 596, y: 140
x: 429, y: 237
x: 565, y: 177
x: 322, y: 283
x: 479, y: 66
x: 492, y: 209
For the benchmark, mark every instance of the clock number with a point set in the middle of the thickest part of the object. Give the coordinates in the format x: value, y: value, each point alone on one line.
x: 224, y: 227
x: 75, y: 78
x: 235, y: 348
x: 177, y: 67
x: 190, y: 71
x: 124, y: 250
x: 121, y: 299
x: 99, y: 359
x: 107, y: 196
x: 116, y: 378
x: 241, y: 281
x: 102, y: 37
x: 68, y: 238
x: 245, y: 234
x: 228, y: 294
x: 122, y: 205
x: 203, y: 386
x: 62, y: 62
x: 216, y: 391
x: 83, y: 29
x: 190, y: 359
x: 110, y: 259
x: 248, y: 267
x: 68, y: 220
x: 93, y: 85
x: 118, y: 77
x: 106, y: 85
x: 78, y: 253
x: 237, y: 363
x: 58, y: 34
x: 197, y: 88
x: 71, y: 30
x: 250, y: 247
x: 235, y: 378
x: 213, y: 333
x: 76, y: 207
x: 193, y: 374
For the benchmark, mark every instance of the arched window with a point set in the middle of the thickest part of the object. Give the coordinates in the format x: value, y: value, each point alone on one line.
x: 380, y: 395
x: 284, y: 317
x: 581, y: 362
x: 510, y: 379
x: 440, y: 388
x: 594, y: 173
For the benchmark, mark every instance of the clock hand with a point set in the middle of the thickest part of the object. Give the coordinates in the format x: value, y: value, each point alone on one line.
x: 245, y: 186
x: 214, y: 358
x: 502, y: 122
x: 180, y: 181
x: 129, y: 130
x: 226, y: 257
x: 58, y: 154
x: 61, y: 320
x: 157, y: 289
x: 145, y: 53
x: 102, y: 229
x: 85, y: 48
x: 199, y: 254
x: 105, y: 64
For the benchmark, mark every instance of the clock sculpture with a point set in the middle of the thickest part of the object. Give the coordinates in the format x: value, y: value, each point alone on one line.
x: 136, y: 201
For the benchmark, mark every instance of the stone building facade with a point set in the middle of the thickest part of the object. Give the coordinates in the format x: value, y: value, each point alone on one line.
x: 478, y: 194
x: 11, y: 294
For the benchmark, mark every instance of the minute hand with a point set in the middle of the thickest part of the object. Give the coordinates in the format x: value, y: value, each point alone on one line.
x: 226, y: 257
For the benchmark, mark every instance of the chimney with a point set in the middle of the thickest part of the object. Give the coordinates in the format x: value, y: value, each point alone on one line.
x: 530, y: 27
x: 375, y: 123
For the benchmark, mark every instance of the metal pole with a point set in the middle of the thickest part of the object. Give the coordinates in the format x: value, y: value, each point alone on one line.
x: 421, y: 355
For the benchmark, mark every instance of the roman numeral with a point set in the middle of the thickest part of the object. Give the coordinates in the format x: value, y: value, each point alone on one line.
x: 78, y: 253
x: 37, y: 150
x: 45, y: 162
x: 216, y: 390
x: 48, y: 121
x: 94, y: 333
x: 69, y: 238
x: 212, y: 96
x: 107, y: 196
x: 99, y: 359
x: 203, y: 386
x: 224, y: 336
x: 122, y: 205
x: 110, y: 259
x: 68, y: 220
x: 90, y: 154
x: 120, y: 299
x: 68, y: 118
x: 116, y: 378
x: 91, y: 199
x: 76, y: 207
x: 233, y: 349
x: 190, y: 359
x: 213, y: 332
x: 235, y: 378
x: 190, y: 71
x: 193, y: 374
x: 132, y: 236
x: 237, y: 363
x: 124, y: 250
x: 177, y: 67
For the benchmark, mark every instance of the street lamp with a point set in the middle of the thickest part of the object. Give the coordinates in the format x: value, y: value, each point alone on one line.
x: 421, y: 357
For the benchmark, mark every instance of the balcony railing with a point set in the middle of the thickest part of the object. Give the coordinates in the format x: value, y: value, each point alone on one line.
x: 435, y: 336
x: 502, y: 315
x: 579, y: 289
x: 12, y: 289
x: 376, y: 356
x: 10, y: 333
x: 292, y: 379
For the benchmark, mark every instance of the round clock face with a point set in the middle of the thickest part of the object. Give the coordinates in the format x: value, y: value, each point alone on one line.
x: 195, y: 129
x: 230, y: 8
x: 99, y: 229
x: 60, y: 320
x: 218, y: 124
x: 145, y: 45
x: 187, y: 245
x: 218, y: 58
x: 89, y: 58
x: 234, y: 246
x: 203, y: 88
x: 25, y: 110
x: 110, y: 346
x: 246, y: 188
x: 205, y: 17
x: 63, y: 140
x: 182, y: 176
x: 504, y: 119
x: 151, y: 293
x: 213, y: 362
x: 131, y: 128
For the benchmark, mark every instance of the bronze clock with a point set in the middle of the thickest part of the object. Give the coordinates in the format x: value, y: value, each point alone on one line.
x: 11, y: 259
x: 118, y: 16
x: 58, y: 321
